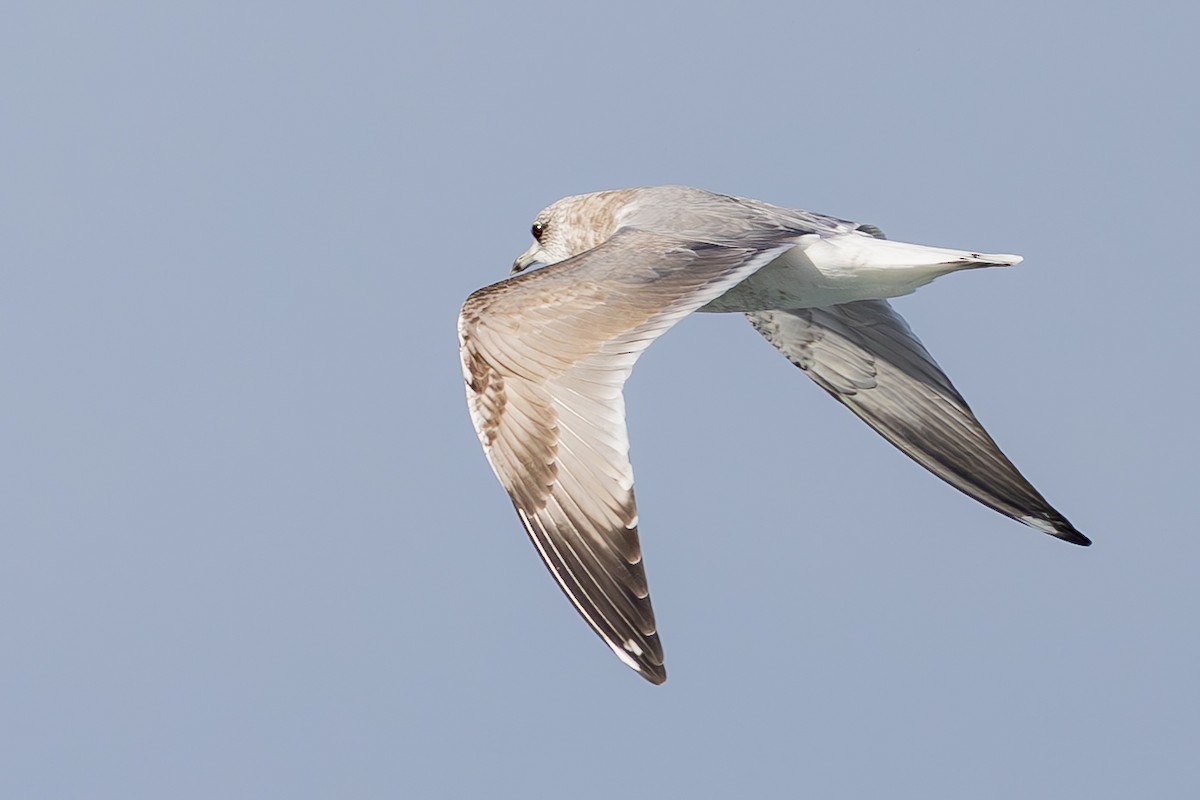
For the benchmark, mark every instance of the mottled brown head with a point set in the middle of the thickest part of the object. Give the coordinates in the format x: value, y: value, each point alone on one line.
x: 574, y: 225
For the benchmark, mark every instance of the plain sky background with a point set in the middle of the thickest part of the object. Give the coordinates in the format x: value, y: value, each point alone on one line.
x: 250, y: 547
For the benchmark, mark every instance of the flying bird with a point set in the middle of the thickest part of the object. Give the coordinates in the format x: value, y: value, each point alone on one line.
x: 545, y: 356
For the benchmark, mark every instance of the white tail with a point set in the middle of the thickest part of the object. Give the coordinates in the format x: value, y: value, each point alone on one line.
x: 855, y: 252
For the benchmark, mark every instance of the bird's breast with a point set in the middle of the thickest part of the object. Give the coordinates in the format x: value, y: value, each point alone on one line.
x: 790, y: 281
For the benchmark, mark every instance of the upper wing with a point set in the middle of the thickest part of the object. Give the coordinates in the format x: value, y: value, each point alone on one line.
x: 864, y: 355
x: 545, y: 356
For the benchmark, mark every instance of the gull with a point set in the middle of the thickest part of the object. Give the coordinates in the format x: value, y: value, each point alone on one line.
x: 545, y: 356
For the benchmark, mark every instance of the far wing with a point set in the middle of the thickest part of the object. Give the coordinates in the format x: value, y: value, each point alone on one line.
x: 864, y: 355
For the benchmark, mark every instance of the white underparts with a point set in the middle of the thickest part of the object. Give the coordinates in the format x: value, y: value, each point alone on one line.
x: 827, y: 271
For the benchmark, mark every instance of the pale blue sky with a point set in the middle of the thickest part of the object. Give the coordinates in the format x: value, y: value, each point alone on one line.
x: 251, y: 548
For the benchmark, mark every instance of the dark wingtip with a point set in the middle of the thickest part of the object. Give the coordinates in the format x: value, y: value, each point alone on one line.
x: 1058, y: 526
x: 655, y: 673
x: 1075, y: 537
x: 1055, y: 524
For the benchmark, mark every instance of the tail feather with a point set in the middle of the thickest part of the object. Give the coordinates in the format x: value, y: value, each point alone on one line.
x: 859, y: 251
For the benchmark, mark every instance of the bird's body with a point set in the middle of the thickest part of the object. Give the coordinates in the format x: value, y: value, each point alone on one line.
x: 546, y: 354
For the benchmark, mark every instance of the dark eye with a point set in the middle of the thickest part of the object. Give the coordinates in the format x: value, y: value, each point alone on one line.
x: 537, y: 230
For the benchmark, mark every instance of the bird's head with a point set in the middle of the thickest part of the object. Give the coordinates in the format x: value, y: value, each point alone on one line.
x: 572, y: 226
